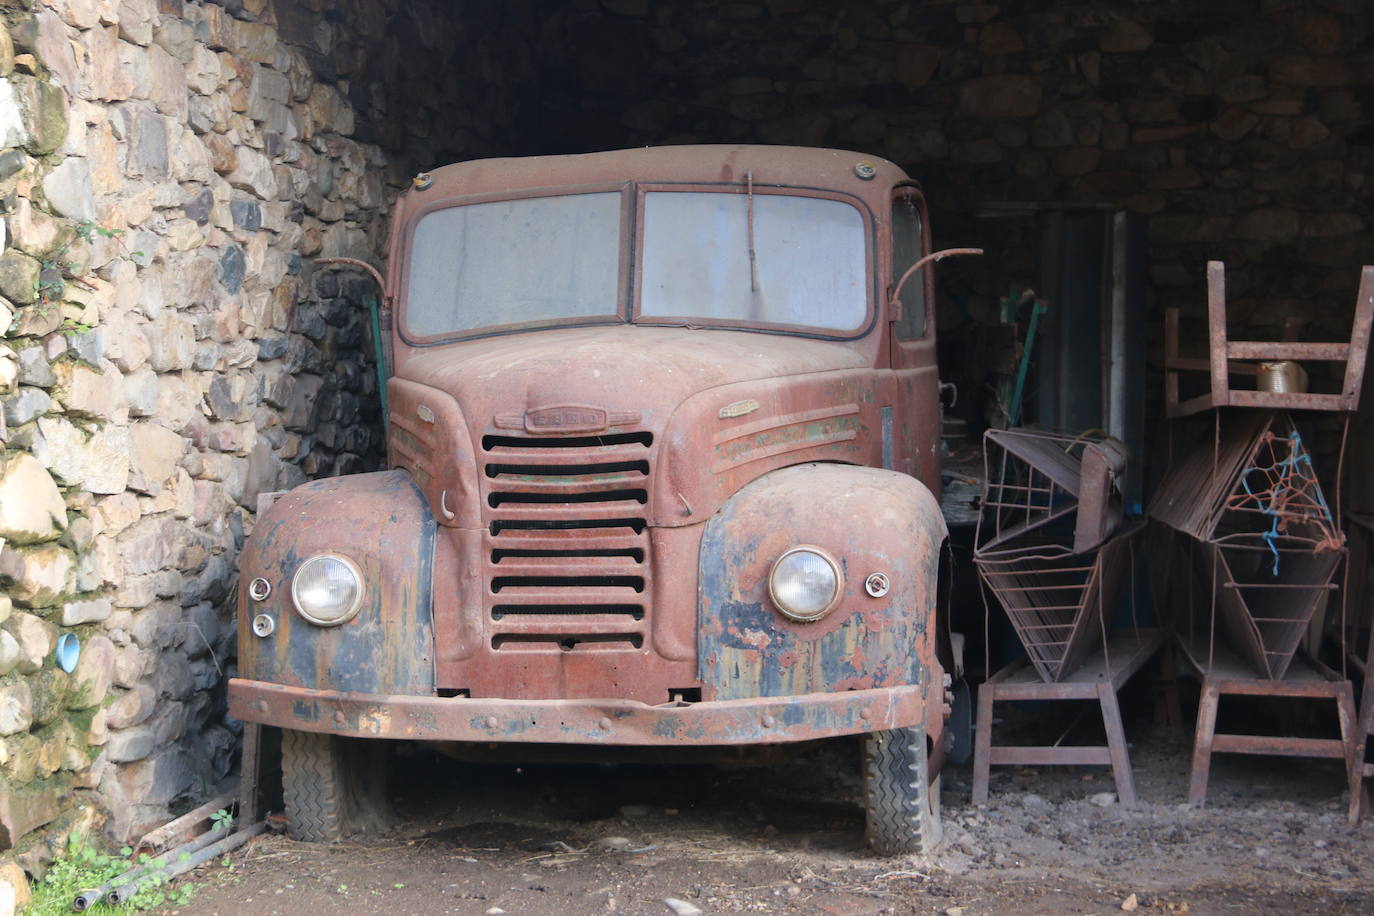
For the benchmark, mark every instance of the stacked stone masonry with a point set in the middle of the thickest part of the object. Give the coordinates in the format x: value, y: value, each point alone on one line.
x: 1242, y: 127
x: 170, y: 168
x: 168, y: 172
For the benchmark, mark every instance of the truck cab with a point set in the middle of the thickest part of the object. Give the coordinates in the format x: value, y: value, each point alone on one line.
x: 663, y: 471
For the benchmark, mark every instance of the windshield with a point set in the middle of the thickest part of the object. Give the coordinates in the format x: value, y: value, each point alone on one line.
x: 766, y: 258
x: 717, y: 257
x: 508, y: 262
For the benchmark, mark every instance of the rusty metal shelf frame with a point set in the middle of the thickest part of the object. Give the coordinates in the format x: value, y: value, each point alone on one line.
x: 1266, y: 621
x: 1193, y: 494
x: 1224, y: 354
x: 1100, y: 678
x: 1260, y: 529
x: 1056, y: 602
x: 1032, y: 479
x: 1223, y: 674
x: 1211, y: 489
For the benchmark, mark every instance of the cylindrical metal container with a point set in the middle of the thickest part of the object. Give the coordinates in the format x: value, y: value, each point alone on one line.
x: 1281, y: 377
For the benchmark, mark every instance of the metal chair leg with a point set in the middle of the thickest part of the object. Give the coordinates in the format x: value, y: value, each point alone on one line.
x: 1202, y: 744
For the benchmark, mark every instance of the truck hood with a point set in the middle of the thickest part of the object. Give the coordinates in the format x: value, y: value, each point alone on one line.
x: 639, y: 375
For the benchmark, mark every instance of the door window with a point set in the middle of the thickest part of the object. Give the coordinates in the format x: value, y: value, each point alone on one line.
x: 907, y: 248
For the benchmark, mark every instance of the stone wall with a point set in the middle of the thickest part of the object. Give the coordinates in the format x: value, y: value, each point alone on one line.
x: 1243, y: 127
x: 168, y: 171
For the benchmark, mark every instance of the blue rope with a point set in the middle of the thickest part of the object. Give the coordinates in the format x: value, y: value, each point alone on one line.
x: 1297, y: 461
x: 1271, y: 536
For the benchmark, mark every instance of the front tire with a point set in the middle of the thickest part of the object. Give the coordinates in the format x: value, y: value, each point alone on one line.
x: 332, y: 786
x: 902, y: 806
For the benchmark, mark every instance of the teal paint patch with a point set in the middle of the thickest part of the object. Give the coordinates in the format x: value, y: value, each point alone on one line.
x: 388, y: 647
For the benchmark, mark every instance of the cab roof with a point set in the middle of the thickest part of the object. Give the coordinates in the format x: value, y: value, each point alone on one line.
x: 794, y: 166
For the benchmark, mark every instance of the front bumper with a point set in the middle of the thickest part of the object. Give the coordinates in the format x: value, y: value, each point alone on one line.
x: 764, y: 720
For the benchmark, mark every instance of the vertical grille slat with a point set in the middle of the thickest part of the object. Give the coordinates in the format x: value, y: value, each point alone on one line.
x: 567, y: 565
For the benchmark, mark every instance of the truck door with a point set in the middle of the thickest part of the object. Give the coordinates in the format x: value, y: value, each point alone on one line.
x: 916, y: 420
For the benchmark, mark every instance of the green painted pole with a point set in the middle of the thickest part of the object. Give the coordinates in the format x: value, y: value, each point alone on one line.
x: 1014, y: 414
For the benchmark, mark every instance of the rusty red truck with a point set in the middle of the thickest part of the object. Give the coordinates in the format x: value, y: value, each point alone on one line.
x: 663, y: 451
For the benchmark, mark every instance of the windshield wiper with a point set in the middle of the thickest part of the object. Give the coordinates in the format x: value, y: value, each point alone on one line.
x: 753, y: 260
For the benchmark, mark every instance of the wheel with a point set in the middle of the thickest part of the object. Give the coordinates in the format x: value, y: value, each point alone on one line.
x: 333, y: 786
x: 901, y: 804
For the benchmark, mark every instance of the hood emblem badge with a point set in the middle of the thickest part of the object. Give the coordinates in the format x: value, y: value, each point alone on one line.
x: 567, y: 418
x: 739, y: 409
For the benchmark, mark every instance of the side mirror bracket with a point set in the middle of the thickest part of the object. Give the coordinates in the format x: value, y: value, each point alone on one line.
x: 894, y: 299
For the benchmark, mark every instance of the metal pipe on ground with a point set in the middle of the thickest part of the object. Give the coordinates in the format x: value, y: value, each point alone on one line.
x: 124, y: 882
x: 171, y: 870
x: 154, y: 840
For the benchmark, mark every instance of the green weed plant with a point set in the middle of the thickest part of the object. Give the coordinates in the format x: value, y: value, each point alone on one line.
x: 84, y: 867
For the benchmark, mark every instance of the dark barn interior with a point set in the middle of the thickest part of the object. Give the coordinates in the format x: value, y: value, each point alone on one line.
x: 1236, y: 132
x: 1093, y: 149
x: 1101, y: 153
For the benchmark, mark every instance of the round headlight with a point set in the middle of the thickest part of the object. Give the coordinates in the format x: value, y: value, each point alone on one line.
x: 804, y: 583
x: 327, y: 590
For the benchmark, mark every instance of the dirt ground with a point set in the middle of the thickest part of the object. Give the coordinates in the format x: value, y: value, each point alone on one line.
x: 544, y: 839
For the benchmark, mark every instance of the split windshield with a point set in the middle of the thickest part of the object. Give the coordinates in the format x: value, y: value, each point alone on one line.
x: 706, y: 258
x: 539, y: 259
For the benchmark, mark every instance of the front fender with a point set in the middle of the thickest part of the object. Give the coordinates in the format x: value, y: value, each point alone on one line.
x: 870, y: 520
x: 382, y: 523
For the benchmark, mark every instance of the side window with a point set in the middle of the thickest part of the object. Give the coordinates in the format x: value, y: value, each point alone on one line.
x: 907, y: 250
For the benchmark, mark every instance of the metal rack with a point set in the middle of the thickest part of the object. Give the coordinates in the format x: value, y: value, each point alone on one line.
x: 1249, y: 513
x: 1225, y: 355
x: 1224, y: 674
x: 1033, y: 479
x: 1260, y: 528
x: 1049, y: 503
x: 1055, y: 601
x: 1048, y: 551
x: 1099, y: 678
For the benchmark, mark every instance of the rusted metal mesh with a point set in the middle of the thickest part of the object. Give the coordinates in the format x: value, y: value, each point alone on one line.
x: 1254, y: 476
x: 1056, y: 602
x: 1280, y: 485
x: 1265, y: 616
x: 1054, y: 491
x: 1265, y: 541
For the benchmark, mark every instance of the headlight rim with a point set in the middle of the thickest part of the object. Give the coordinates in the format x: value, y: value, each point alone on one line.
x: 835, y: 568
x: 357, y: 598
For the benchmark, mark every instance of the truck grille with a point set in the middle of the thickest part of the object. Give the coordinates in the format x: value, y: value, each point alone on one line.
x: 567, y: 564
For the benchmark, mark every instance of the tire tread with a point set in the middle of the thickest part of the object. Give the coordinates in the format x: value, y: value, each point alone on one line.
x: 313, y: 787
x: 901, y: 814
